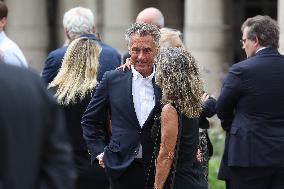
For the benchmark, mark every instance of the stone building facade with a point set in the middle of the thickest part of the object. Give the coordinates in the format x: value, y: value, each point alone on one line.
x: 211, y: 28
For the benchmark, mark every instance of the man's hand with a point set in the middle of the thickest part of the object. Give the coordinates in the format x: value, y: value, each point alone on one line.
x: 198, y: 156
x: 101, y: 161
x: 126, y: 65
x: 204, y: 97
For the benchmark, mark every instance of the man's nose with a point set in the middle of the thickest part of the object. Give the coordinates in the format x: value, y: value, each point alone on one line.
x: 140, y: 55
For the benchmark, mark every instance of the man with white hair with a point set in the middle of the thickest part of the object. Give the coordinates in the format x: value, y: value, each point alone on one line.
x: 78, y: 22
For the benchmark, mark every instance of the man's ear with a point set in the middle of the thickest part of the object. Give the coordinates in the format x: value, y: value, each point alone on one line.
x: 128, y: 48
x: 3, y: 22
x: 66, y: 34
x: 94, y: 29
x: 158, y: 49
x: 256, y: 42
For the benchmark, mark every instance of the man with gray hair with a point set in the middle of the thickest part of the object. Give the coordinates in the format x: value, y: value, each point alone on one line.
x: 150, y: 15
x: 252, y: 96
x: 78, y: 22
x: 132, y: 98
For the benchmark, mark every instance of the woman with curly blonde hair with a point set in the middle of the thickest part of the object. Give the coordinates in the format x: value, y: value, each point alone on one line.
x: 178, y: 77
x: 173, y: 38
x: 73, y: 87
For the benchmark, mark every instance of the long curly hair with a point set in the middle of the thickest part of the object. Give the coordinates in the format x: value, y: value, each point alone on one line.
x: 178, y: 76
x: 77, y: 76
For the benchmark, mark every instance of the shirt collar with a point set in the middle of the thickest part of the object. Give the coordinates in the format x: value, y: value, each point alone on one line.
x: 90, y: 36
x: 2, y: 34
x: 137, y: 75
x: 260, y: 49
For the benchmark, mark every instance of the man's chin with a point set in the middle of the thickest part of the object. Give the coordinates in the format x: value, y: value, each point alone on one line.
x: 139, y: 68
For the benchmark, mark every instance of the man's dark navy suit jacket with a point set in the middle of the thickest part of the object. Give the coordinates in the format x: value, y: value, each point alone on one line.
x: 114, y: 94
x: 253, y: 95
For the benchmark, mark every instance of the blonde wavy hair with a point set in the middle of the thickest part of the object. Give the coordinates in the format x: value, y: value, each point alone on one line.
x: 77, y: 76
x: 171, y: 38
x: 178, y: 76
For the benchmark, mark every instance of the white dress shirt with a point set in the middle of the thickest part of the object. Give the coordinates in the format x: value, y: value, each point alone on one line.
x: 10, y: 52
x: 143, y: 95
x: 143, y: 98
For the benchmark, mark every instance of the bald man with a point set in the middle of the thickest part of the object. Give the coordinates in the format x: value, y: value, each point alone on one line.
x: 151, y: 15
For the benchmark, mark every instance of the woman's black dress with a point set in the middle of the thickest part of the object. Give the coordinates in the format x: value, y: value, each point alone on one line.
x: 189, y: 174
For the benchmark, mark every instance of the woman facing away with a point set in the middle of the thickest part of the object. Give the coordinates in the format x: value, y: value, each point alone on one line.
x: 178, y: 76
x: 173, y: 38
x: 73, y: 87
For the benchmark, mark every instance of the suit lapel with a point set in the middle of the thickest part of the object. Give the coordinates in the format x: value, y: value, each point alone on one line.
x: 157, y: 92
x: 129, y: 96
x: 156, y: 109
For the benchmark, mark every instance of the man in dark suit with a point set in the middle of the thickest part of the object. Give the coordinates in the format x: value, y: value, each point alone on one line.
x: 132, y: 98
x: 78, y: 22
x: 35, y: 153
x: 252, y: 95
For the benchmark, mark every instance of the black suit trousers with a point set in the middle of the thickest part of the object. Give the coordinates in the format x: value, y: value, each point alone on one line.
x: 137, y: 176
x: 257, y: 178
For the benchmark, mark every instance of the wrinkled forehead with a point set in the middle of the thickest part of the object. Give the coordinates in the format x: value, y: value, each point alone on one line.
x: 142, y: 41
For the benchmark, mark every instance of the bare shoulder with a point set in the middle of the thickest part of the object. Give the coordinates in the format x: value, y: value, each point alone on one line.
x: 168, y: 108
x: 169, y: 114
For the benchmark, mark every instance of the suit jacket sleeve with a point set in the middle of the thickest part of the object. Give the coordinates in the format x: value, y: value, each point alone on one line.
x: 230, y: 93
x: 94, y: 120
x: 209, y: 107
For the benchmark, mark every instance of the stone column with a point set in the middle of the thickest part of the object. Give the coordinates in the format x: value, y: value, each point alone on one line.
x: 173, y: 13
x: 280, y: 19
x: 65, y: 5
x: 27, y: 26
x: 207, y: 36
x: 117, y: 17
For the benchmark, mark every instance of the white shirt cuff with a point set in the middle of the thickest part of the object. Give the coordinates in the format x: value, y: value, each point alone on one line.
x: 100, y: 156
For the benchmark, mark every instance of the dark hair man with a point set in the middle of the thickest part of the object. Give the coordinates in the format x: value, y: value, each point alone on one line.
x: 9, y: 50
x: 252, y: 95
